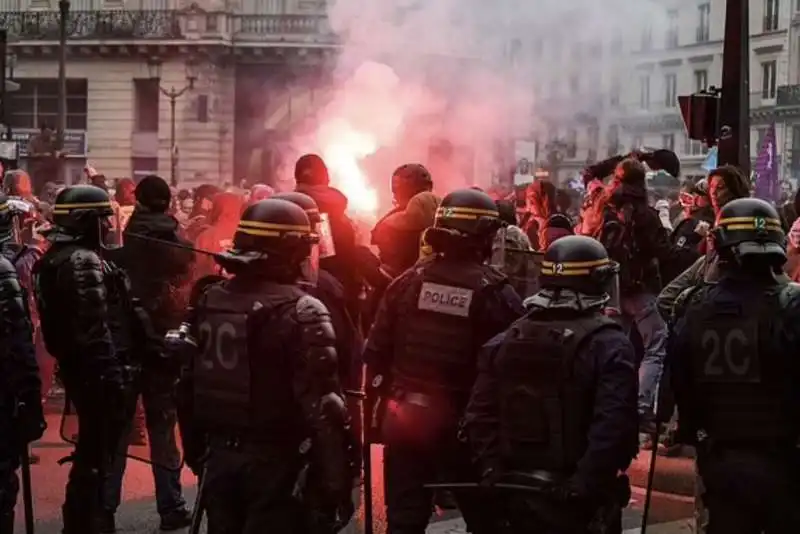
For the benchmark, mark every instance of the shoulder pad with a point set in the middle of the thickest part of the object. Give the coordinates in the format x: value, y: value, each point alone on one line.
x: 202, y: 285
x: 83, y: 258
x: 7, y: 268
x: 683, y: 300
x: 311, y: 310
x: 789, y: 296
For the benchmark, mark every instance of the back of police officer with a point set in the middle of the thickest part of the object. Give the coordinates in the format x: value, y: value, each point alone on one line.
x: 84, y: 309
x: 421, y: 355
x: 554, y: 405
x: 21, y: 418
x: 263, y: 391
x: 735, y: 374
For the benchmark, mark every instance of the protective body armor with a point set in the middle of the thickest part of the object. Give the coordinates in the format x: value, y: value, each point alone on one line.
x: 436, y: 343
x: 544, y: 411
x: 23, y: 257
x: 236, y: 391
x: 73, y: 264
x: 741, y: 368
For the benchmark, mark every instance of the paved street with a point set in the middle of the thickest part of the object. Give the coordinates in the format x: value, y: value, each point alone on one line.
x: 138, y: 516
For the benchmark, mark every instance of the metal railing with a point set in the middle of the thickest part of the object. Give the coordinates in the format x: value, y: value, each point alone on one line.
x: 159, y: 25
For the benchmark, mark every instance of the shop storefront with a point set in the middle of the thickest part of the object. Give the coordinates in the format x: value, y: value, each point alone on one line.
x: 75, y: 148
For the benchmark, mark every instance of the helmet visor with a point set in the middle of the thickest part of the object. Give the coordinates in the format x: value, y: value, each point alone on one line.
x: 309, y: 268
x: 326, y: 247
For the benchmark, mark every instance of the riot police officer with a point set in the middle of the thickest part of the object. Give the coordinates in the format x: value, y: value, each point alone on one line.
x: 554, y: 404
x: 349, y: 341
x: 21, y: 417
x: 87, y: 326
x: 421, y: 355
x: 735, y: 376
x: 262, y: 390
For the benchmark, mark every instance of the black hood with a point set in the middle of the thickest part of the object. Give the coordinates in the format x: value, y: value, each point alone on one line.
x: 158, y: 225
x: 329, y: 199
x: 628, y: 193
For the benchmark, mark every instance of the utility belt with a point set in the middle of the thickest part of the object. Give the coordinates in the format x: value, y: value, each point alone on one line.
x: 417, y: 418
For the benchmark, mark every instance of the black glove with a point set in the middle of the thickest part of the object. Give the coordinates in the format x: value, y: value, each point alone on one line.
x: 491, y: 476
x: 29, y: 421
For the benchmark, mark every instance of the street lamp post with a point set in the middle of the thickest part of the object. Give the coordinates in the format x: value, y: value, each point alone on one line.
x: 63, y: 9
x: 173, y: 94
x: 9, y: 85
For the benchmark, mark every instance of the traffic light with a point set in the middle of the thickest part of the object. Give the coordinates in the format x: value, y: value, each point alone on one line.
x: 700, y: 112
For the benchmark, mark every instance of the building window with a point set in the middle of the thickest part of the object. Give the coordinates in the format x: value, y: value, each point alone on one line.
x: 594, y: 140
x: 770, y: 15
x: 696, y: 148
x: 672, y: 29
x: 146, y: 96
x: 644, y: 92
x: 670, y: 90
x: 768, y: 79
x: 637, y: 142
x: 36, y: 103
x: 574, y: 85
x: 703, y: 22
x: 700, y: 80
x: 572, y: 143
x: 614, y: 93
x: 141, y: 167
x: 761, y: 133
x: 647, y: 38
x: 612, y: 138
x: 668, y: 142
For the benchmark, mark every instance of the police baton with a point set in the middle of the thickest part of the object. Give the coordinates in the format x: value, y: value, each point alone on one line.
x: 199, y: 508
x: 172, y: 244
x: 27, y: 494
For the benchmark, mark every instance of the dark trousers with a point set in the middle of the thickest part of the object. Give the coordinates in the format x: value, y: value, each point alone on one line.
x: 249, y: 494
x: 409, y: 504
x: 98, y: 437
x: 161, y: 418
x: 750, y: 492
x: 9, y: 463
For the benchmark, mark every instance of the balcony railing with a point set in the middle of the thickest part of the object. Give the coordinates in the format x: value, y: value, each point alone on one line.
x: 261, y: 27
x: 788, y: 95
x: 163, y: 25
x: 92, y: 25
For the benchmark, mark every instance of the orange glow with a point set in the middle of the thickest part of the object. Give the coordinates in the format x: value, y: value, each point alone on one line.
x: 343, y: 148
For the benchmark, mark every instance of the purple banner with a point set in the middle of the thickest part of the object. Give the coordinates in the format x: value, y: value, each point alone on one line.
x: 767, y: 183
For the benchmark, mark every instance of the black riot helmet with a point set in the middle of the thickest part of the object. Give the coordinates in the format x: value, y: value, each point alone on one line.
x: 81, y: 212
x: 750, y: 228
x: 581, y: 264
x: 468, y: 212
x: 308, y: 204
x: 465, y: 226
x: 278, y: 236
x: 408, y: 180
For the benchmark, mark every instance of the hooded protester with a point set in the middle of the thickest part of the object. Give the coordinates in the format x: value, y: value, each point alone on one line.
x: 790, y: 210
x: 725, y: 183
x: 312, y: 178
x: 222, y: 221
x: 514, y: 236
x: 635, y: 238
x: 160, y: 276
